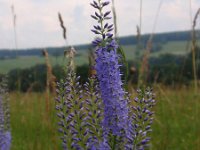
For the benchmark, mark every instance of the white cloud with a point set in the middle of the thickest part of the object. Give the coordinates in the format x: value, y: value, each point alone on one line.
x: 38, y: 26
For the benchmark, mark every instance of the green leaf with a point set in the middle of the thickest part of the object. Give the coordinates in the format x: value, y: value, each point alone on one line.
x: 120, y: 51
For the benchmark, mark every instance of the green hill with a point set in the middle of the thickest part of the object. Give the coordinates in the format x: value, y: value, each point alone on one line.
x: 173, y: 43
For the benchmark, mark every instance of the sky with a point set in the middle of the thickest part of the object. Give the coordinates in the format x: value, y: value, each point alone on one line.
x: 37, y: 22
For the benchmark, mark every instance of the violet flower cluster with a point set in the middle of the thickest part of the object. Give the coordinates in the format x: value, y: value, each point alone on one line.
x: 79, y: 112
x: 70, y: 113
x: 118, y: 118
x: 5, y: 134
x: 100, y: 114
x: 141, y: 119
x: 113, y: 95
x: 115, y: 122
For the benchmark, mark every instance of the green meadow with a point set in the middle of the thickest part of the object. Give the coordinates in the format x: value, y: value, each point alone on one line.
x: 176, y: 125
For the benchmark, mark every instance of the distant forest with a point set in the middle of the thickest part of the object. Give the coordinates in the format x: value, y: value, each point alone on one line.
x: 161, y: 38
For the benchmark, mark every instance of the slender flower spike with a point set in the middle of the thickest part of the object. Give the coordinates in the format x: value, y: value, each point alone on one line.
x: 79, y: 114
x: 115, y: 121
x: 5, y: 134
x: 141, y: 120
x: 94, y: 112
x: 115, y: 105
x: 71, y: 114
x: 102, y: 29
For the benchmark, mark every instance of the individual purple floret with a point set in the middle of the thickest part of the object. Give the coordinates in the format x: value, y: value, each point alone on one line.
x: 141, y: 118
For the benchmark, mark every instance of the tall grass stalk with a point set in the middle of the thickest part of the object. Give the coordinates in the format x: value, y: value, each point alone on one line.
x: 139, y: 28
x: 67, y: 53
x: 194, y: 63
x: 144, y: 69
x: 114, y: 19
x: 51, y: 85
x: 120, y: 49
x: 64, y: 29
x: 194, y: 46
x: 50, y: 82
x: 14, y: 19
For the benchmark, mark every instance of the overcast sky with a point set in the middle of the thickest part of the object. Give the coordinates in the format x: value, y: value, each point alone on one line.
x: 38, y: 26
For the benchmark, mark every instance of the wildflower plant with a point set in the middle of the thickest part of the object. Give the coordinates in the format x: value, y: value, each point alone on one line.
x: 100, y: 115
x: 141, y: 119
x: 5, y: 134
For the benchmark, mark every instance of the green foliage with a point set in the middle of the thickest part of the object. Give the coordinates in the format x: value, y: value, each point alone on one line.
x: 168, y: 69
x: 83, y: 71
x: 33, y: 79
x: 156, y: 47
x: 124, y: 64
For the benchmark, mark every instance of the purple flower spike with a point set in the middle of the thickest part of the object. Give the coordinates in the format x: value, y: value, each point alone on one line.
x: 5, y: 142
x: 5, y: 134
x: 103, y: 28
x: 115, y: 105
x: 141, y: 119
x: 71, y: 113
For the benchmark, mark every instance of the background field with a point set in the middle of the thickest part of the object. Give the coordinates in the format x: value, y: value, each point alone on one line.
x: 176, y: 125
x: 21, y: 62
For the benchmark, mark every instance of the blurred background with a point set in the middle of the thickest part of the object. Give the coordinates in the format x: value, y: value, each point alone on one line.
x: 161, y: 42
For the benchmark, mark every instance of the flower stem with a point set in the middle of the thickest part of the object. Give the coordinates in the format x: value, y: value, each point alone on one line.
x: 114, y: 142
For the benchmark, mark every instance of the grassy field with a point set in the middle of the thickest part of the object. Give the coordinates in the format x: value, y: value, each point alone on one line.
x: 176, y: 126
x: 29, y: 61
x: 177, y: 48
x: 32, y: 127
x: 6, y: 65
x: 177, y: 120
